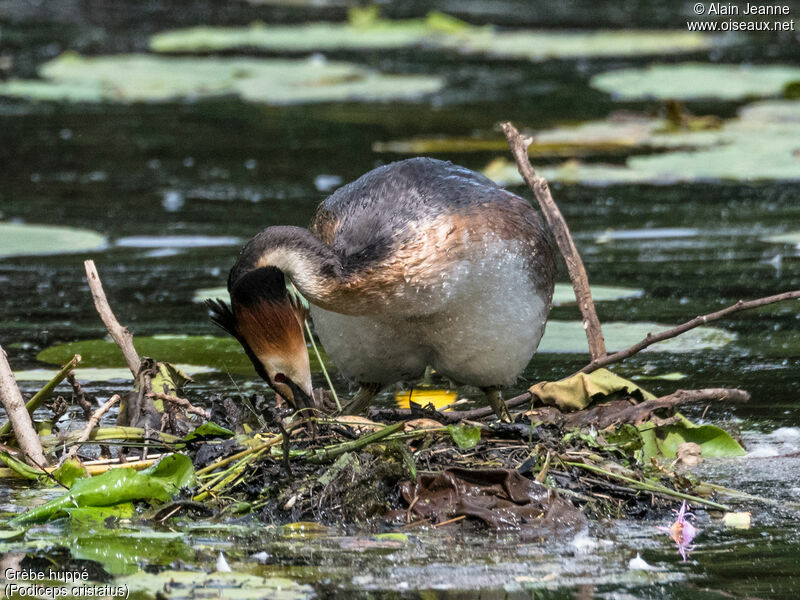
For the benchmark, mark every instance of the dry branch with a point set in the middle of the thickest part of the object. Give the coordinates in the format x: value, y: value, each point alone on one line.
x: 121, y: 335
x: 557, y: 224
x: 618, y: 412
x: 18, y: 415
x: 94, y: 420
x: 182, y: 403
x: 676, y: 331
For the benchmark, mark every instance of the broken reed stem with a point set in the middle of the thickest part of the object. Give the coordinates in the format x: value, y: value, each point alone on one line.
x: 94, y: 469
x: 121, y: 335
x: 18, y: 416
x: 557, y: 224
x: 676, y: 331
x: 44, y: 393
x: 105, y: 434
x: 182, y: 403
x: 94, y: 421
x: 649, y: 487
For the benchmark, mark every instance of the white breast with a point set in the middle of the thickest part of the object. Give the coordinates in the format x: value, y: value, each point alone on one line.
x: 486, y: 323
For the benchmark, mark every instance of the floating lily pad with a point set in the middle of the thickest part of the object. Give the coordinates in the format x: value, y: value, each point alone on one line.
x: 143, y: 78
x: 183, y: 585
x: 211, y: 294
x: 570, y: 337
x: 760, y: 144
x: 367, y: 31
x: 791, y: 237
x: 202, y: 353
x: 177, y: 241
x: 690, y: 81
x: 19, y: 239
x: 101, y: 374
x: 564, y: 294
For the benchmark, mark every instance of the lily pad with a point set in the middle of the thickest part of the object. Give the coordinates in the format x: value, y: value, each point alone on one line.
x: 790, y: 237
x: 211, y: 294
x: 689, y: 81
x: 570, y: 337
x: 367, y: 31
x: 101, y: 374
x: 20, y: 239
x: 147, y: 78
x: 209, y: 353
x: 664, y: 441
x: 759, y: 144
x: 177, y: 241
x: 183, y: 585
x: 564, y: 294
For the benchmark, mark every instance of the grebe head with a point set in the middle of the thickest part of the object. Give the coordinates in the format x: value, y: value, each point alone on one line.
x: 269, y: 325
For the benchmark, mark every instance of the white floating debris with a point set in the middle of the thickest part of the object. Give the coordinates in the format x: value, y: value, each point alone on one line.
x: 640, y: 564
x: 222, y: 564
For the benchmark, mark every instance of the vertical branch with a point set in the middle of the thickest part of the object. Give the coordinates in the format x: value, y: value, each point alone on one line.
x: 121, y: 335
x: 18, y: 416
x: 555, y: 221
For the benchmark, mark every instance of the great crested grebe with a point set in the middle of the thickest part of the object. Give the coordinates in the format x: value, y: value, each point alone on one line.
x: 416, y: 263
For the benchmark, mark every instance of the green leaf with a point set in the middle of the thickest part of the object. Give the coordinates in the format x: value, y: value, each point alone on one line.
x: 69, y: 472
x: 160, y: 482
x: 208, y: 431
x: 664, y: 441
x: 626, y: 438
x: 98, y: 515
x: 464, y: 436
x: 20, y: 239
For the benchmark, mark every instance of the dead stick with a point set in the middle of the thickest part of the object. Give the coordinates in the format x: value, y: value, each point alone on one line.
x: 18, y: 415
x: 121, y: 335
x: 676, y: 331
x: 43, y: 394
x: 557, y: 224
x: 182, y: 402
x: 94, y: 420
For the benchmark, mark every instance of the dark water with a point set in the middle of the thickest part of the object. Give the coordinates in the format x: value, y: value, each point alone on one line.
x: 228, y: 168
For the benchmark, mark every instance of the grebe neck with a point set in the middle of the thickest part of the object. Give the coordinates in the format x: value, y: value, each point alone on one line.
x: 310, y: 264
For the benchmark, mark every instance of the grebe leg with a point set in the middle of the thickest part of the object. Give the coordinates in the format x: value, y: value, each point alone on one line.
x: 362, y: 399
x: 495, y: 398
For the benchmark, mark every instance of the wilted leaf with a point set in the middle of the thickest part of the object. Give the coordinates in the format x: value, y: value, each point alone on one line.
x: 579, y: 391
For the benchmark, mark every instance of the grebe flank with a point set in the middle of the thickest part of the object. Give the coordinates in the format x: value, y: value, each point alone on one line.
x: 416, y: 263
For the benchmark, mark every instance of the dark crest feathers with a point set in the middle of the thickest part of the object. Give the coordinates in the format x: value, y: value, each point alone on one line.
x: 222, y: 316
